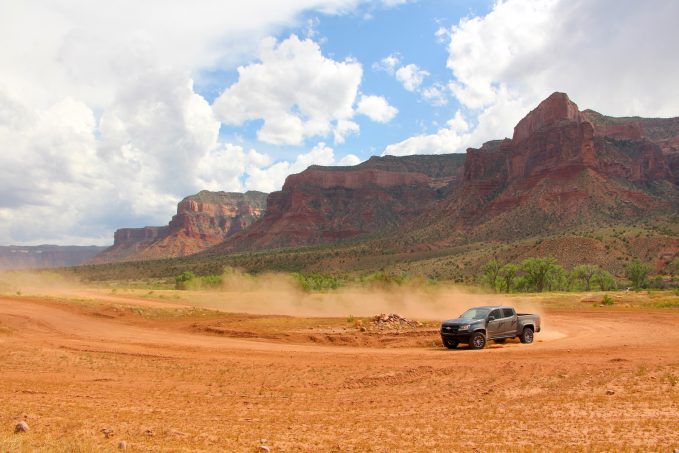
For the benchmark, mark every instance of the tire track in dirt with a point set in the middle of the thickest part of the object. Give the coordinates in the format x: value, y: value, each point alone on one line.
x: 39, y: 321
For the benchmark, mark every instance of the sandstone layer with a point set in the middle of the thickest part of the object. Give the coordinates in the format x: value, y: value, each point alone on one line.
x: 327, y: 204
x: 202, y: 220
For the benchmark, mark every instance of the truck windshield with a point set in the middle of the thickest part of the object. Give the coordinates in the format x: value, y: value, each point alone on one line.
x: 475, y: 313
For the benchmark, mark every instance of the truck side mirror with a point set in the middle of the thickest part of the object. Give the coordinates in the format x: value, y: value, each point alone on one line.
x: 491, y: 318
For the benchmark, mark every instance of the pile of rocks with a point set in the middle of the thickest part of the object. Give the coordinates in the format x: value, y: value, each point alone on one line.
x: 392, y: 321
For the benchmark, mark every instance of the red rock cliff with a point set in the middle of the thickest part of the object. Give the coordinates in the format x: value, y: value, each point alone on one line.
x: 326, y: 204
x: 563, y: 167
x: 202, y: 220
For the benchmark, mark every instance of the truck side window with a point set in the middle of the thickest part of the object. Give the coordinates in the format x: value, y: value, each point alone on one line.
x: 495, y: 314
x: 508, y: 312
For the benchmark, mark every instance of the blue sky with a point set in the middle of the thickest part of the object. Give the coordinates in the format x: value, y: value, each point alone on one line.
x: 368, y: 35
x: 112, y: 112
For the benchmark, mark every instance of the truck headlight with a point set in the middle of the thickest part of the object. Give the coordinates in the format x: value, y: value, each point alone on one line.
x: 464, y: 327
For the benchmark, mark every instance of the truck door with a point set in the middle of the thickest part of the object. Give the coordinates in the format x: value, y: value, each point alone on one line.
x: 493, y: 328
x: 510, y: 322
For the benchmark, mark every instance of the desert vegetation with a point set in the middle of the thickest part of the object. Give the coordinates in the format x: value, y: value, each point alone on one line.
x: 545, y: 274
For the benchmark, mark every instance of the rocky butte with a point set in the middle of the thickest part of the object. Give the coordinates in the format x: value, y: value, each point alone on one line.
x: 561, y: 169
x: 202, y: 220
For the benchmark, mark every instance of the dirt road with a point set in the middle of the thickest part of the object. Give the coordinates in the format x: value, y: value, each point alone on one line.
x: 596, y: 379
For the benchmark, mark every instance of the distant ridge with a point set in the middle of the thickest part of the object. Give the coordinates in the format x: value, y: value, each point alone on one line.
x: 45, y: 256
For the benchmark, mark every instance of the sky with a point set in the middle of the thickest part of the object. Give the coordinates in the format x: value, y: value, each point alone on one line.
x: 112, y: 112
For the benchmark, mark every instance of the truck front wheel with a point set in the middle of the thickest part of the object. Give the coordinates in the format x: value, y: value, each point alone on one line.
x: 527, y: 335
x: 450, y: 344
x: 477, y: 341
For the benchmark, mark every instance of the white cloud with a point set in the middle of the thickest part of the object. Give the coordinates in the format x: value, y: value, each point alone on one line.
x: 453, y: 138
x: 411, y: 76
x: 481, y: 49
x: 603, y: 61
x: 459, y: 134
x: 376, y: 108
x: 157, y: 129
x: 343, y: 129
x: 270, y: 178
x: 444, y: 141
x: 504, y: 63
x: 349, y: 160
x: 297, y: 91
x: 100, y: 126
x: 388, y: 64
x: 436, y: 94
x: 46, y: 173
x: 84, y: 49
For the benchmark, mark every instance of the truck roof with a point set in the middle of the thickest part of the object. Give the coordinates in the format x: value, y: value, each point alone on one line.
x: 495, y: 306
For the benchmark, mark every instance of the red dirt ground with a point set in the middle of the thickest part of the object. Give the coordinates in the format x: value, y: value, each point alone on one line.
x: 595, y: 380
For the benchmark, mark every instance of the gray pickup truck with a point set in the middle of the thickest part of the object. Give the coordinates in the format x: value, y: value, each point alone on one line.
x: 498, y: 323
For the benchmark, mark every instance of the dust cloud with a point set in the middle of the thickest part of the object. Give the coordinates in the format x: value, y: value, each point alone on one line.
x: 281, y: 295
x: 20, y: 281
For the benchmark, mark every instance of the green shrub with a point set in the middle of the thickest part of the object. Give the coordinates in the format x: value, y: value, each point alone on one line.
x: 183, y: 280
x: 607, y: 300
x: 189, y: 281
x: 508, y: 275
x: 317, y: 282
x: 210, y: 281
x: 542, y: 273
x: 605, y: 280
x: 491, y: 274
x: 637, y: 272
x: 586, y: 273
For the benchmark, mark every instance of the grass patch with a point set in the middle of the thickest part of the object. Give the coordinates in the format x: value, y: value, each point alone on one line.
x: 667, y: 304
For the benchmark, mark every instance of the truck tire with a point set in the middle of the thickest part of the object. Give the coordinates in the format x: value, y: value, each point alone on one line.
x: 477, y: 340
x: 450, y: 344
x: 527, y: 335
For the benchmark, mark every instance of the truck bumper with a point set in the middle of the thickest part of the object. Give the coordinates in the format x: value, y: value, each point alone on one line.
x: 461, y: 337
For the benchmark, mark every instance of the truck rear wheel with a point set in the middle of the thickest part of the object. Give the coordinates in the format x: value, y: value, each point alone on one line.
x: 477, y: 340
x: 527, y: 335
x: 450, y: 344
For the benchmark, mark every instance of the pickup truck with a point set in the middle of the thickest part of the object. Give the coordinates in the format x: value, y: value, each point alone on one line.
x: 498, y: 323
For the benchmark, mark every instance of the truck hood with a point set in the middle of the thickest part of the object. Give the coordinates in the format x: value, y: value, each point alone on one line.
x: 459, y: 321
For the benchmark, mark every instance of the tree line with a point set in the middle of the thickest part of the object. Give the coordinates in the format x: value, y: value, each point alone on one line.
x: 545, y: 274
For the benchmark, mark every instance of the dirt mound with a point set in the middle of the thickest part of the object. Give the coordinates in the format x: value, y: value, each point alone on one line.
x: 392, y: 321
